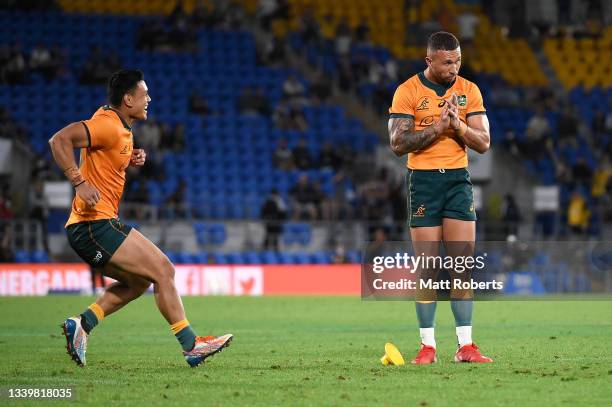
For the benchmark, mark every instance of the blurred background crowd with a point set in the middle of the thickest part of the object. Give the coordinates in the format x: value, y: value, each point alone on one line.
x: 266, y: 137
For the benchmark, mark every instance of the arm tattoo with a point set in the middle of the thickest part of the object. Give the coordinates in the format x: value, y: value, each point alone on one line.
x: 404, y: 139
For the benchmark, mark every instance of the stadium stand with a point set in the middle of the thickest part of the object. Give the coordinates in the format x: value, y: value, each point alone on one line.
x: 219, y: 163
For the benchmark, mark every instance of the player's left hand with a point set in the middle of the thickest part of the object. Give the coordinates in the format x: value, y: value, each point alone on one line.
x: 138, y: 157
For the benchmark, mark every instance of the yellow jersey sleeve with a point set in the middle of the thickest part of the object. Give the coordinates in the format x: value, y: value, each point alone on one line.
x: 475, y: 104
x: 403, y: 102
x: 102, y: 132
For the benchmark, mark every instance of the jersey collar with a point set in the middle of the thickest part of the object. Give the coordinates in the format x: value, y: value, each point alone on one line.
x: 125, y: 124
x: 439, y: 89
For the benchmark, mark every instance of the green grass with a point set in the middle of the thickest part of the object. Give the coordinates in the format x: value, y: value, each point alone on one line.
x: 314, y: 351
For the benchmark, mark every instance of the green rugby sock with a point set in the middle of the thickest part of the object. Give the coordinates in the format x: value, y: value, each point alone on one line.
x: 462, y: 311
x: 185, y: 335
x: 89, y: 320
x: 426, y: 314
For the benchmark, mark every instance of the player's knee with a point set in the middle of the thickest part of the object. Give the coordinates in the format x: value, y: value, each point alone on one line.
x: 165, y: 271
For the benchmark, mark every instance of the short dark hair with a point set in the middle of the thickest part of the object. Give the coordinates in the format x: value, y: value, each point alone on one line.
x: 122, y: 82
x: 442, y: 40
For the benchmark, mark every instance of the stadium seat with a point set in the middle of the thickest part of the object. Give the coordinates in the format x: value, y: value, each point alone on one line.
x: 22, y: 256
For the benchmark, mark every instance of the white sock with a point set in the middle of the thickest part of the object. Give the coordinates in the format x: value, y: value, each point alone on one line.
x: 464, y: 335
x: 427, y: 337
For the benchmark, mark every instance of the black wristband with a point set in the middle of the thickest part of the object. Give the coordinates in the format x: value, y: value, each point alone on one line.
x: 79, y: 183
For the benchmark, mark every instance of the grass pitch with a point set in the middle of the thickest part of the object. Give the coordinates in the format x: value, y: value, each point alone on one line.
x: 313, y: 351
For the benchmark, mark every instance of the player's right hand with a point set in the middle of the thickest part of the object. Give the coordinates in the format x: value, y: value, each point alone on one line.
x: 88, y: 194
x: 443, y: 122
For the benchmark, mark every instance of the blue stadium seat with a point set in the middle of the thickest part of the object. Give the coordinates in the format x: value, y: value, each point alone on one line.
x: 39, y: 256
x: 22, y: 256
x: 270, y: 257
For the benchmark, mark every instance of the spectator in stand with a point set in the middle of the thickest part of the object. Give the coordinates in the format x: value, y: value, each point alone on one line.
x: 301, y: 155
x: 283, y: 157
x: 598, y: 125
x: 5, y: 206
x: 293, y: 90
x: 254, y: 102
x: 39, y: 209
x: 198, y: 105
x: 376, y: 72
x: 362, y: 32
x: 608, y: 121
x: 392, y: 70
x: 175, y: 203
x: 581, y: 172
x: 167, y: 142
x: 59, y: 57
x: 271, y: 49
x: 329, y: 158
x: 601, y: 179
x: 537, y: 130
x: 304, y: 197
x: 149, y: 135
x: 152, y: 170
x: 360, y: 64
x: 320, y: 89
x: 343, y: 39
x: 6, y: 251
x: 42, y: 168
x: 345, y: 150
x: 139, y: 196
x: 296, y: 119
x: 15, y: 69
x: 563, y: 174
x: 42, y: 61
x: 511, y: 144
x: 578, y: 214
x: 467, y: 22
x: 151, y: 35
x: 601, y: 189
x: 273, y: 213
x: 200, y: 14
x: 378, y: 237
x: 346, y: 75
x: 339, y: 256
x: 289, y: 117
x: 343, y: 200
x: 309, y: 29
x: 266, y: 12
x: 538, y: 126
x: 181, y: 35
x: 11, y: 130
x: 178, y: 137
x: 375, y: 197
x: 511, y: 215
x: 567, y: 128
x: 99, y: 66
